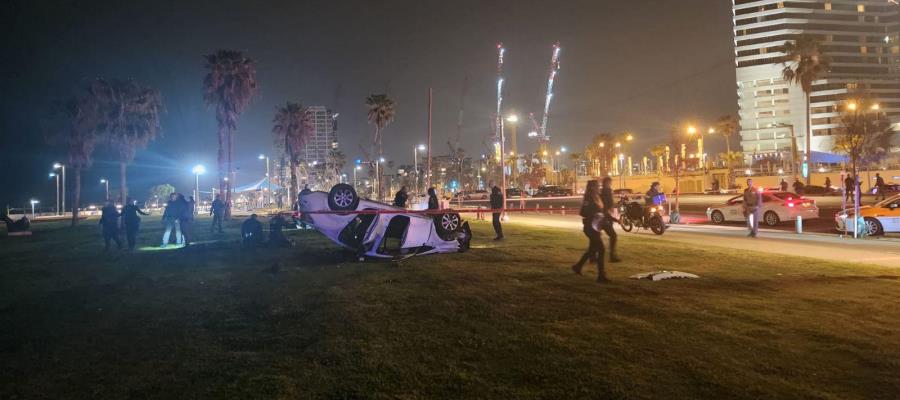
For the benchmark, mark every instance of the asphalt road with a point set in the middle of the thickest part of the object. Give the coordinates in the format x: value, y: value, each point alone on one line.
x: 693, y: 209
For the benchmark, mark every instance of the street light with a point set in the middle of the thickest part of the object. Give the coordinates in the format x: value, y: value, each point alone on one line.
x: 33, y: 202
x: 355, y: 182
x: 416, y: 151
x: 62, y: 167
x: 52, y: 175
x: 268, y: 178
x: 197, y: 170
x: 106, y: 183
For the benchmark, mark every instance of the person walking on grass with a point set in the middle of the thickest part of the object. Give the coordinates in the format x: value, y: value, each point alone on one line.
x: 187, y: 218
x: 592, y: 218
x: 217, y: 211
x: 132, y: 221
x: 170, y: 221
x: 109, y: 224
x: 496, y: 205
x: 751, y: 204
x: 606, y: 197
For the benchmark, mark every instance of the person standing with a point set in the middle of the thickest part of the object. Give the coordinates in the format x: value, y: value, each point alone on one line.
x: 827, y: 183
x: 186, y: 218
x: 496, y: 206
x: 606, y: 197
x: 170, y: 221
x: 591, y: 218
x: 433, y: 202
x: 132, y: 221
x: 849, y: 184
x: 217, y: 211
x: 401, y: 197
x: 798, y: 185
x: 879, y: 186
x: 109, y: 224
x: 784, y: 185
x: 752, y: 202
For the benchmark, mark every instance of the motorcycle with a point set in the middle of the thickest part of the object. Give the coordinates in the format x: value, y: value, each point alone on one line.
x: 632, y: 215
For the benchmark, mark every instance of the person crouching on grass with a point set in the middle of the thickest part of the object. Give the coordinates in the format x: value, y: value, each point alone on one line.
x: 592, y: 219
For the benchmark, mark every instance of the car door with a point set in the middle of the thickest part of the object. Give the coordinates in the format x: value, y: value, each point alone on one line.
x: 891, y: 220
x: 734, y: 210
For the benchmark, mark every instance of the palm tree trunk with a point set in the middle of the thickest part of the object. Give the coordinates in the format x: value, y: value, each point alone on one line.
x: 808, y: 142
x: 77, y: 202
x: 221, y: 162
x: 228, y: 184
x: 123, y: 189
x: 728, y: 143
x: 293, y: 187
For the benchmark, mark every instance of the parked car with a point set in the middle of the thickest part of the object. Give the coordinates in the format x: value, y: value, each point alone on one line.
x: 879, y: 218
x: 477, y: 195
x: 552, y: 191
x: 395, y: 233
x: 514, y: 193
x: 889, y: 189
x: 776, y: 208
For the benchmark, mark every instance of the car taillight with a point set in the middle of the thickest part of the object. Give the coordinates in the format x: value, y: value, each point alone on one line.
x: 790, y: 204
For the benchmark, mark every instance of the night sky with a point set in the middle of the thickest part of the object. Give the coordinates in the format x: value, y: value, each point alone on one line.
x: 634, y: 65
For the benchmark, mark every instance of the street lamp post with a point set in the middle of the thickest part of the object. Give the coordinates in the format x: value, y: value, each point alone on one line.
x: 416, y: 150
x: 33, y: 202
x: 105, y: 182
x: 197, y: 170
x: 52, y: 175
x: 268, y: 178
x: 62, y: 167
x: 355, y: 181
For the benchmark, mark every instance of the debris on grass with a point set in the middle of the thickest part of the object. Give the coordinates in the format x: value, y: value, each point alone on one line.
x: 660, y: 275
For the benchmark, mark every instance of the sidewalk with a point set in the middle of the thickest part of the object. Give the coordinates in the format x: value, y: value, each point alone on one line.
x: 878, y: 251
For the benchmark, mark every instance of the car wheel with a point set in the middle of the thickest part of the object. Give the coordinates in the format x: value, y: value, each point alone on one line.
x: 447, y: 225
x: 717, y: 217
x: 343, y: 197
x: 873, y: 227
x: 771, y: 218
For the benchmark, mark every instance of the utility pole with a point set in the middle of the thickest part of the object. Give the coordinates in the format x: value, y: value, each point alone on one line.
x: 428, y: 166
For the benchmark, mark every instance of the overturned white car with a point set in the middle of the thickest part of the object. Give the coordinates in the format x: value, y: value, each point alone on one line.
x: 379, y: 230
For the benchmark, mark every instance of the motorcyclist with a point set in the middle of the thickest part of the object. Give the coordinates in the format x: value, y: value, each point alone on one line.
x: 651, y: 194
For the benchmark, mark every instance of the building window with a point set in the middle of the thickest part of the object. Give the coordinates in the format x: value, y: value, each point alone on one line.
x: 863, y: 50
x: 861, y: 7
x: 828, y: 6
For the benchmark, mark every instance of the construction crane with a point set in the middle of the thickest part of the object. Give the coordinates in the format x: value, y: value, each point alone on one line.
x: 540, y: 131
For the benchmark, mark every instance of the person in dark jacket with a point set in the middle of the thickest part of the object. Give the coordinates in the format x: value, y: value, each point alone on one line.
x: 752, y: 204
x: 827, y: 183
x: 276, y: 235
x: 653, y: 192
x: 132, y: 221
x: 497, y: 204
x: 783, y: 185
x: 849, y: 184
x: 109, y: 223
x: 400, y: 198
x: 592, y: 216
x: 217, y: 211
x: 251, y: 231
x: 798, y: 185
x: 433, y: 203
x: 186, y: 218
x: 170, y: 221
x: 606, y: 197
x: 879, y: 186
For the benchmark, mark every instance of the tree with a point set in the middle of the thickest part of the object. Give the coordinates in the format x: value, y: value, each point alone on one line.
x: 659, y: 151
x: 336, y: 162
x: 731, y: 158
x: 129, y: 120
x: 865, y: 133
x: 380, y: 113
x: 75, y: 124
x: 229, y: 86
x: 804, y: 63
x: 161, y: 191
x: 727, y: 126
x: 292, y: 128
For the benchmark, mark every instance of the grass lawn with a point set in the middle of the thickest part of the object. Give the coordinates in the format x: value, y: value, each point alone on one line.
x: 505, y: 320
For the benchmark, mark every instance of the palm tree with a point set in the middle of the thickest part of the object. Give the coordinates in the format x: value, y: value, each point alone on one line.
x: 292, y: 128
x: 727, y: 126
x: 659, y: 151
x: 229, y: 85
x: 130, y: 119
x: 76, y: 123
x: 381, y: 113
x: 731, y: 158
x: 804, y: 63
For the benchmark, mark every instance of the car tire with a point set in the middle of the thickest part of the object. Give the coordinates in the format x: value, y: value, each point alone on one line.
x: 771, y: 218
x: 873, y: 227
x: 447, y: 225
x: 717, y: 217
x: 342, y: 197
